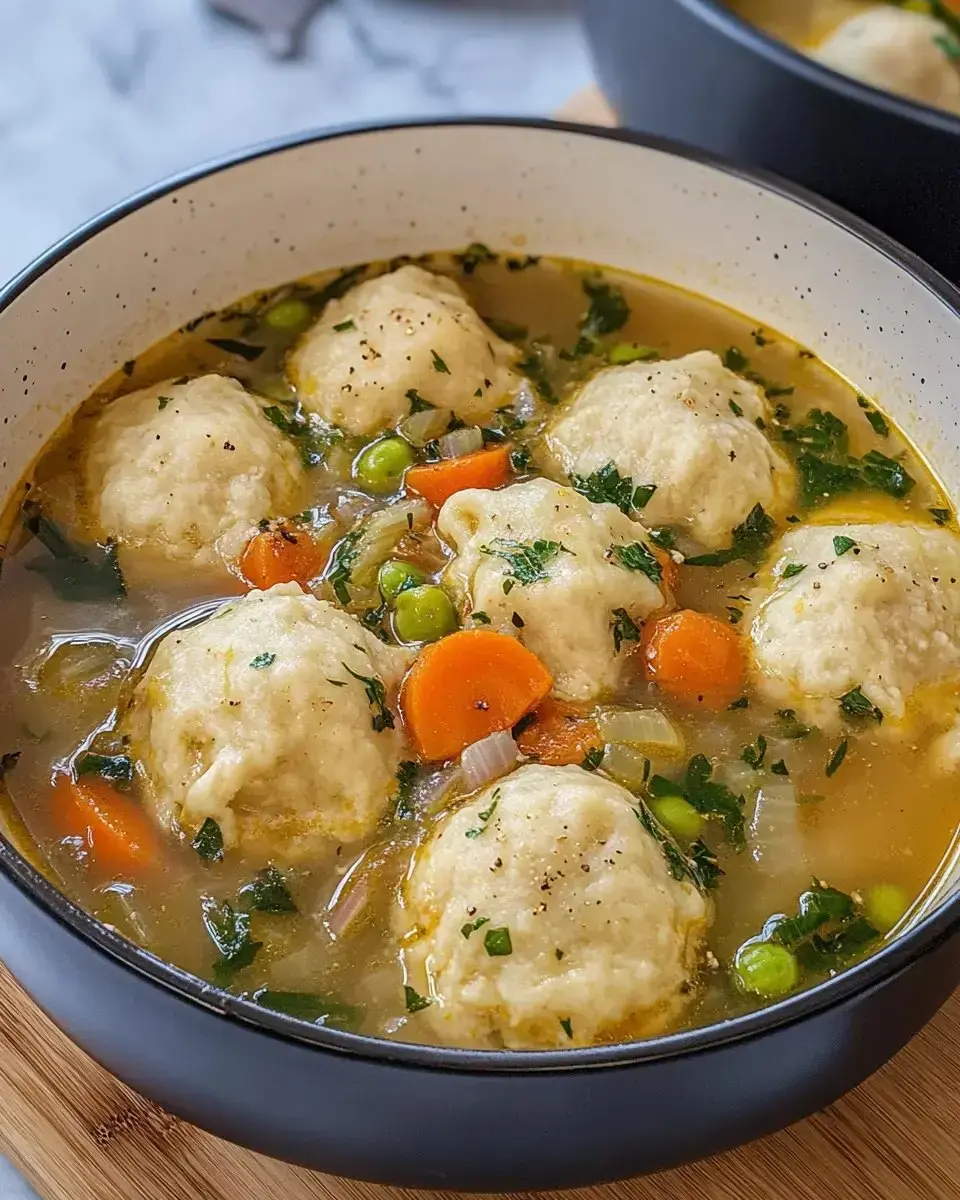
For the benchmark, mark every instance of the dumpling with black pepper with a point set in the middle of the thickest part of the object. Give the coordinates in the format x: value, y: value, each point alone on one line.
x: 273, y: 718
x: 542, y: 914
x: 178, y: 473
x: 571, y: 579
x: 868, y: 607
x: 408, y: 331
x: 685, y: 431
x: 910, y: 53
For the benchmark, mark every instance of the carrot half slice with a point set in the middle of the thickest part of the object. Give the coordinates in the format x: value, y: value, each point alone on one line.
x: 694, y: 657
x: 560, y: 735
x: 467, y: 686
x: 437, y: 482
x: 118, y: 836
x: 282, y: 556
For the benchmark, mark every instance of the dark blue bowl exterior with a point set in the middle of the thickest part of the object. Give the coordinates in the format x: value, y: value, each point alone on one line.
x: 421, y: 1127
x: 671, y: 71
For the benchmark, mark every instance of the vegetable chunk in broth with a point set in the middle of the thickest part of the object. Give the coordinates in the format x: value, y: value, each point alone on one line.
x: 485, y: 650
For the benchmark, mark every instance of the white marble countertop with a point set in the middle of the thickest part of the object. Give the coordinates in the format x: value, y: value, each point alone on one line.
x: 100, y: 97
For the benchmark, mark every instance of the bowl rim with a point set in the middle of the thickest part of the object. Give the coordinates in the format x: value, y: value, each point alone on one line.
x: 752, y: 37
x: 898, y: 955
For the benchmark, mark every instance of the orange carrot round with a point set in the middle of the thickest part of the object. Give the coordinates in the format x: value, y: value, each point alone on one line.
x: 671, y: 569
x: 560, y: 735
x: 467, y: 686
x: 694, y: 657
x: 118, y: 836
x: 280, y: 555
x: 437, y: 482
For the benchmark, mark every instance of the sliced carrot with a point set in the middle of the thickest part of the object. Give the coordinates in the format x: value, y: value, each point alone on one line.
x: 280, y: 555
x: 467, y: 686
x: 694, y: 657
x: 671, y: 569
x: 118, y: 836
x: 560, y: 735
x: 437, y: 482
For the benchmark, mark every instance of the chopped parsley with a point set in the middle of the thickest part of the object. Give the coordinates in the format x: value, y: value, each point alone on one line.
x: 593, y: 758
x: 342, y: 562
x: 382, y: 717
x: 700, y: 866
x: 707, y: 796
x: 497, y: 943
x: 855, y: 704
x: 779, y: 768
x: 406, y: 778
x: 836, y: 759
x: 312, y: 438
x: 266, y: 659
x: 821, y: 432
x: 734, y: 359
x: 267, y: 892
x: 754, y: 754
x: 484, y: 817
x: 414, y: 1001
x: 229, y: 931
x: 877, y: 423
x: 345, y: 326
x: 534, y: 366
x: 792, y: 569
x: 480, y: 617
x: 624, y: 629
x: 643, y: 495
x: 567, y: 1026
x: 734, y: 614
x: 665, y: 538
x: 77, y: 574
x: 841, y: 544
x: 607, y: 486
x: 735, y: 408
x: 475, y: 254
x: 520, y: 459
x: 743, y: 702
x: 789, y: 728
x: 208, y: 842
x: 527, y: 562
x: 940, y: 515
x: 886, y: 474
x: 117, y: 769
x: 308, y: 1006
x: 636, y: 557
x: 438, y: 364
x: 244, y: 350
x: 749, y: 541
x: 607, y: 311
x: 473, y: 926
x: 163, y: 401
x: 417, y: 402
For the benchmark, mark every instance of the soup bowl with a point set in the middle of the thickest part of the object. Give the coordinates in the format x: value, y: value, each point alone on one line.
x: 693, y: 70
x: 428, y: 1115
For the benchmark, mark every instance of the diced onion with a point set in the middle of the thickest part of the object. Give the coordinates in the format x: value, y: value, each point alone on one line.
x: 347, y: 902
x: 525, y: 401
x: 425, y: 426
x: 626, y: 765
x: 644, y: 727
x: 774, y: 832
x: 430, y: 791
x: 381, y: 532
x: 460, y: 442
x: 739, y: 777
x: 488, y: 759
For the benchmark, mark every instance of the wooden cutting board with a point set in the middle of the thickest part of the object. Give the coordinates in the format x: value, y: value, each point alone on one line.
x: 78, y: 1134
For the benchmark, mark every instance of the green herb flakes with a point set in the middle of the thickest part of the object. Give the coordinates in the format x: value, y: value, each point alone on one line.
x: 308, y: 1006
x: 266, y: 659
x: 345, y: 326
x: 473, y: 926
x: 624, y: 629
x: 842, y: 544
x: 341, y: 565
x: 788, y: 727
x: 743, y: 702
x: 382, y: 717
x: 735, y: 408
x: 229, y: 931
x: 438, y: 364
x: 208, y: 841
x: 607, y: 311
x: 527, y: 562
x: 267, y: 893
x: 779, y: 768
x: 116, y: 769
x: 520, y: 459
x: 855, y: 704
x: 406, y: 778
x: 940, y: 515
x: 607, y: 486
x: 593, y: 758
x: 750, y: 540
x: 414, y: 1001
x: 481, y: 618
x: 497, y: 943
x: 792, y: 569
x: 754, y: 755
x: 475, y: 254
x: 417, y: 402
x: 567, y: 1026
x: 484, y: 817
x: 836, y: 759
x: 163, y: 401
x: 734, y: 359
x: 636, y: 557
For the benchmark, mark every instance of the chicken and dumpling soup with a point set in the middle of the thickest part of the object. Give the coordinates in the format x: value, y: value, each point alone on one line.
x: 909, y: 47
x: 488, y: 651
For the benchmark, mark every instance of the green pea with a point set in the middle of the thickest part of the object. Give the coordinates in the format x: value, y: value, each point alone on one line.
x: 678, y: 816
x: 884, y: 905
x: 381, y: 465
x: 396, y: 576
x: 767, y: 969
x: 423, y: 614
x: 288, y: 315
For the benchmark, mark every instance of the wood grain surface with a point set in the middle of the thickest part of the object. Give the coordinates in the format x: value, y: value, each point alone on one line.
x: 78, y: 1134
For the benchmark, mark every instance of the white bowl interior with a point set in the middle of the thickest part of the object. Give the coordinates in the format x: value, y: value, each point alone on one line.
x: 376, y: 194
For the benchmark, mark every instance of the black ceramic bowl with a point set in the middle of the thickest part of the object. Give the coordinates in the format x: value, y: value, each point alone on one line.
x: 692, y: 70
x: 420, y: 1115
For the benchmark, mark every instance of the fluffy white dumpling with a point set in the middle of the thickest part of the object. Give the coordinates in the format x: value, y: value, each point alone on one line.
x: 178, y: 473
x: 897, y: 50
x: 566, y: 617
x: 604, y: 940
x: 257, y: 718
x: 884, y: 616
x: 687, y: 426
x: 406, y: 330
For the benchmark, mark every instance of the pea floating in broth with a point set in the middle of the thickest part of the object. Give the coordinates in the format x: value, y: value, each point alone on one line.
x: 485, y: 650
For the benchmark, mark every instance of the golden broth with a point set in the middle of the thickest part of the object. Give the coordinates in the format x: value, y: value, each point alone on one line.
x: 882, y: 818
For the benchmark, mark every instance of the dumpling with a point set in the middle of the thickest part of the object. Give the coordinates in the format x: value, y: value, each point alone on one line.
x: 272, y: 718
x: 897, y: 50
x: 408, y: 330
x: 882, y: 615
x: 178, y: 473
x: 687, y: 427
x: 547, y: 565
x: 557, y: 924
